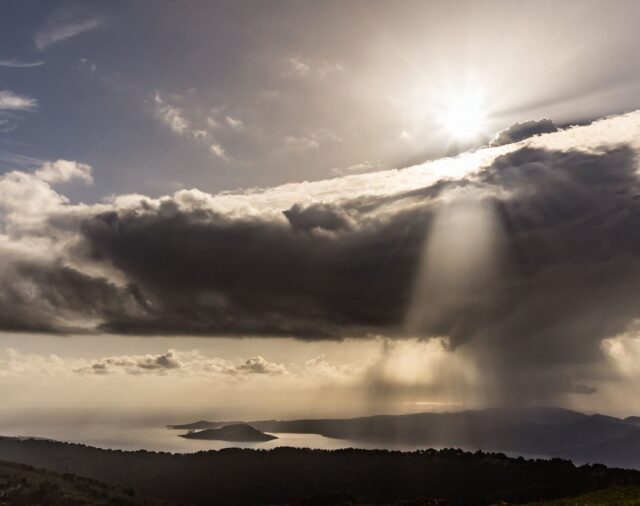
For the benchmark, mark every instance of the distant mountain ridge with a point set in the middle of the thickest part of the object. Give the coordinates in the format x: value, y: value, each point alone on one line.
x: 554, y: 432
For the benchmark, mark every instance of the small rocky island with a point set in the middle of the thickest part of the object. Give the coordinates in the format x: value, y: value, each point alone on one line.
x: 239, y: 432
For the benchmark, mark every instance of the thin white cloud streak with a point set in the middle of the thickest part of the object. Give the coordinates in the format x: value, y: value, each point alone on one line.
x: 310, y: 140
x: 11, y: 160
x: 14, y: 63
x: 7, y: 126
x: 63, y: 30
x: 10, y: 101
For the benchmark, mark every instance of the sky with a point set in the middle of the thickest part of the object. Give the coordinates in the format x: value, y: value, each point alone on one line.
x: 159, y: 96
x: 288, y: 208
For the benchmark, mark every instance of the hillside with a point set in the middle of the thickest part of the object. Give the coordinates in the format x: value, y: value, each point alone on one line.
x: 285, y: 475
x: 616, y: 496
x: 25, y: 485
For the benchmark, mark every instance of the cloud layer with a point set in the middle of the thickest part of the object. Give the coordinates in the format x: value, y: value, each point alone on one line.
x: 521, y: 131
x: 10, y: 101
x: 524, y: 254
x: 185, y: 364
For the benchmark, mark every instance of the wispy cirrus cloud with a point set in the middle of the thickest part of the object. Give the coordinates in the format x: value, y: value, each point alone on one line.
x: 309, y: 140
x: 10, y: 101
x: 174, y: 117
x: 10, y: 160
x: 7, y: 126
x: 63, y: 27
x: 15, y: 63
x: 306, y: 67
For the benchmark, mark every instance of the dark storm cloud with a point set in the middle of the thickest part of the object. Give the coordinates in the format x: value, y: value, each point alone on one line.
x: 571, y: 266
x: 204, y: 273
x: 521, y: 131
x: 567, y: 216
x: 51, y: 298
x: 570, y: 221
x: 319, y: 216
x: 567, y: 225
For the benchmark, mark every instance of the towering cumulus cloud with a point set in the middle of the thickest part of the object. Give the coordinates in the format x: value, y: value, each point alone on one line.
x: 527, y: 255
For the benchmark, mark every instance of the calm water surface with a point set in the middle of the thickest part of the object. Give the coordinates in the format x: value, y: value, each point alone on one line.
x: 161, y: 439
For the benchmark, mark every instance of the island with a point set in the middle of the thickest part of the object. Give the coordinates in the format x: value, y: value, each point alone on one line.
x: 200, y: 425
x: 240, y: 432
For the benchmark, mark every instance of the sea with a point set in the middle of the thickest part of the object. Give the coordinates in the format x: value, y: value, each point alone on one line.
x: 162, y: 439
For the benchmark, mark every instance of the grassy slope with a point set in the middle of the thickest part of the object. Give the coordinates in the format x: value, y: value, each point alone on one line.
x: 21, y: 484
x: 617, y: 496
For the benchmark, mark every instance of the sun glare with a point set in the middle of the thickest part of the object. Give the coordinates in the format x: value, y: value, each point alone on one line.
x: 464, y: 117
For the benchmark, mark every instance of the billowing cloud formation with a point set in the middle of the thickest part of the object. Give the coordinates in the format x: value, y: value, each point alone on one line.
x: 378, y: 366
x: 524, y: 254
x: 521, y: 131
x: 195, y: 364
x: 258, y: 365
x: 135, y: 364
x: 64, y: 170
x: 316, y: 216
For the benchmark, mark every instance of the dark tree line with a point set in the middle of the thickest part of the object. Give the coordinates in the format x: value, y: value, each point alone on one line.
x: 288, y: 475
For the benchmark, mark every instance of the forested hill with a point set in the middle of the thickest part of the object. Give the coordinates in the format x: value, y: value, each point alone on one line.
x: 22, y: 485
x: 287, y: 475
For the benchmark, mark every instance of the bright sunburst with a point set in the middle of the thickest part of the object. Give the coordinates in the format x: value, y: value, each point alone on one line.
x: 464, y: 117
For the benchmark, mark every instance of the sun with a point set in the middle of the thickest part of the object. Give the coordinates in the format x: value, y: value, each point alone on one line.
x: 463, y: 117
